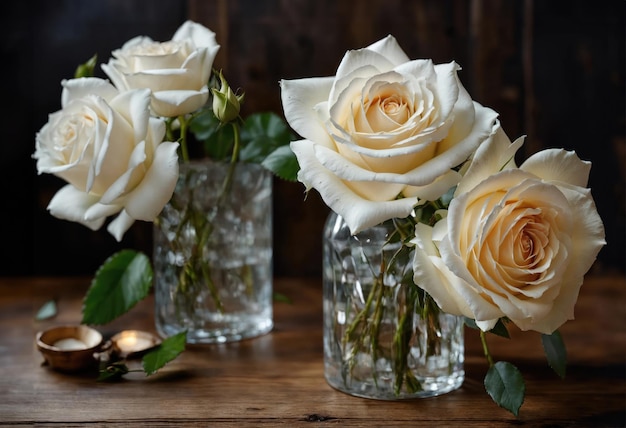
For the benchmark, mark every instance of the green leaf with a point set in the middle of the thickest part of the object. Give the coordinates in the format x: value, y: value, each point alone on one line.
x: 47, y: 310
x: 447, y: 197
x: 283, y: 163
x: 279, y: 297
x: 123, y: 280
x: 554, y: 348
x: 261, y: 135
x: 217, y: 140
x: 204, y: 124
x: 167, y: 351
x: 267, y: 124
x: 500, y: 329
x: 112, y: 371
x: 505, y: 384
x: 470, y: 323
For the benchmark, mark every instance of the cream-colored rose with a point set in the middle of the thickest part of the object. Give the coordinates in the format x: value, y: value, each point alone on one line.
x: 516, y: 242
x: 109, y: 149
x: 383, y: 132
x: 177, y: 72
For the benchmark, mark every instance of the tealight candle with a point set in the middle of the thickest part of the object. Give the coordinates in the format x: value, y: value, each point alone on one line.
x: 133, y: 341
x: 69, y: 344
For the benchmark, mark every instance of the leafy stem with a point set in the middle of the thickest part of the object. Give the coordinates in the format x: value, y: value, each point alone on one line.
x: 184, y: 123
x: 152, y: 361
x: 483, y: 340
x: 233, y: 161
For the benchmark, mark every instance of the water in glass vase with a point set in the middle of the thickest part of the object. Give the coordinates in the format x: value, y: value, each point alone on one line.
x: 384, y: 337
x: 213, y: 255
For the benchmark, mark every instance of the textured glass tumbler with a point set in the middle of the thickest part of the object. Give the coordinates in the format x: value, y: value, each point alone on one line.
x: 212, y: 254
x: 384, y: 337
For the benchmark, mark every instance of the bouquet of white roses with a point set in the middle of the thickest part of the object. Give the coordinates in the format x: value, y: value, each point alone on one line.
x: 394, y: 138
x: 118, y: 145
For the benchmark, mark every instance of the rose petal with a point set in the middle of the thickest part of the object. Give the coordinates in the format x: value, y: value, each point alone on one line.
x: 115, y: 75
x: 486, y: 325
x: 358, y: 213
x: 390, y: 48
x: 497, y: 153
x: 299, y: 98
x: 163, y: 79
x: 451, y: 293
x: 462, y: 283
x: 436, y: 189
x: 558, y: 165
x: 101, y: 211
x: 444, y: 80
x: 430, y: 170
x: 74, y: 89
x: 345, y: 90
x: 199, y: 34
x: 177, y: 103
x: 355, y: 59
x: 124, y: 182
x: 71, y: 204
x: 120, y: 225
x: 135, y: 107
x: 147, y: 200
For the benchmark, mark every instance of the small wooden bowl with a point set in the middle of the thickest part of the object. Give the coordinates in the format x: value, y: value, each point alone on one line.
x: 69, y: 358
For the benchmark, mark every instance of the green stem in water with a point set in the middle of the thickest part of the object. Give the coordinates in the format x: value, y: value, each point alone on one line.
x: 374, y: 327
x: 360, y: 321
x: 401, y: 341
x: 430, y: 315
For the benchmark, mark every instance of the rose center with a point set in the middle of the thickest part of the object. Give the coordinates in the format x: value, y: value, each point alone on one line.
x: 526, y: 246
x: 154, y: 49
x: 387, y: 113
x: 69, y: 141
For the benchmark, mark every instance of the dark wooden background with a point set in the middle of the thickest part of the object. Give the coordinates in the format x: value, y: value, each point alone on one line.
x: 554, y: 70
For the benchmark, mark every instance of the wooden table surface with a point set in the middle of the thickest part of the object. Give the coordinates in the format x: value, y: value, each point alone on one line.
x: 278, y: 380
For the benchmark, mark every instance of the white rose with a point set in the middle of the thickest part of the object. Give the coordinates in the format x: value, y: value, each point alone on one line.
x: 109, y: 149
x: 176, y: 71
x: 516, y: 242
x: 383, y: 132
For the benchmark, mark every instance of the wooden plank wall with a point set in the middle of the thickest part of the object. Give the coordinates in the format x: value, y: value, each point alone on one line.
x: 553, y: 70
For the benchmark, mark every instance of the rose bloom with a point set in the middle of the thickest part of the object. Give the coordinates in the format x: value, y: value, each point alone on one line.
x: 383, y: 132
x: 516, y: 242
x: 109, y: 149
x: 176, y: 71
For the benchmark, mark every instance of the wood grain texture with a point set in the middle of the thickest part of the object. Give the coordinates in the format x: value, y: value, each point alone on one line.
x: 277, y: 379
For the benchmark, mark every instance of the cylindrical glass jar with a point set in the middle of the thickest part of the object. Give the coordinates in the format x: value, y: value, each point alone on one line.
x: 384, y: 337
x: 213, y: 254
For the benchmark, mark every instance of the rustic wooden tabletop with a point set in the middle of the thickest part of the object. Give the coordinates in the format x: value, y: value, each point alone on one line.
x: 278, y: 380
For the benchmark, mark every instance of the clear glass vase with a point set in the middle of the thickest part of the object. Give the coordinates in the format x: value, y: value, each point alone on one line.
x: 212, y: 254
x: 384, y: 337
